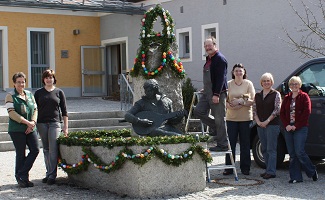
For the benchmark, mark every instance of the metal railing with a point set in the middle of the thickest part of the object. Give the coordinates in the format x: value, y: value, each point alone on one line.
x: 126, y: 92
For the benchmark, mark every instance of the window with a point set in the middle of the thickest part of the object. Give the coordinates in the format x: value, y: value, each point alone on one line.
x: 313, y: 80
x: 4, y: 71
x: 209, y: 30
x: 184, y: 45
x: 184, y: 40
x: 1, y: 62
x: 39, y: 56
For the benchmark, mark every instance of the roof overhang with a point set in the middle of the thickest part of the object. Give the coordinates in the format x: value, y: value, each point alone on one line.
x: 102, y: 6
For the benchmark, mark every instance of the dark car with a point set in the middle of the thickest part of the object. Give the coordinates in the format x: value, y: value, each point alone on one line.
x: 312, y: 74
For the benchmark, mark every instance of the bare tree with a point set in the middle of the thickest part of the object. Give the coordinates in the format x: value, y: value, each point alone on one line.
x: 312, y: 40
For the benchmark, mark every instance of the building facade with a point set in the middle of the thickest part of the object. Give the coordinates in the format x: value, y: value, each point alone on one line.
x: 88, y: 50
x: 249, y: 32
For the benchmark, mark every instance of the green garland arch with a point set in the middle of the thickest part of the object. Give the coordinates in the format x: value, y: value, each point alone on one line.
x: 140, y: 158
x: 148, y: 36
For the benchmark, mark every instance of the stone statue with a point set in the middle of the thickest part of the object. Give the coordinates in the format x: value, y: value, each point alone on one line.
x: 153, y: 114
x: 168, y: 82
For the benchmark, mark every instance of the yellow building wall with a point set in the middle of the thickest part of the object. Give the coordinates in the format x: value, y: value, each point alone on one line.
x: 68, y: 70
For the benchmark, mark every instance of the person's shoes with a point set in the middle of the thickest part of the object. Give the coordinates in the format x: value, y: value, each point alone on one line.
x: 315, y: 176
x: 22, y: 183
x: 227, y: 172
x: 294, y: 181
x: 263, y: 174
x: 30, y: 184
x: 245, y: 172
x: 44, y: 180
x: 268, y: 176
x: 218, y: 149
x: 50, y: 181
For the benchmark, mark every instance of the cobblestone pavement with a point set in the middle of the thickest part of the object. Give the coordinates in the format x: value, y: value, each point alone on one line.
x: 222, y: 187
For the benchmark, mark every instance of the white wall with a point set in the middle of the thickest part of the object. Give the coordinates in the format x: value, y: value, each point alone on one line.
x: 250, y: 32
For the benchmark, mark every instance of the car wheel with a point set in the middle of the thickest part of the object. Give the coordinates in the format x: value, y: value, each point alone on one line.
x: 258, y: 156
x: 257, y: 152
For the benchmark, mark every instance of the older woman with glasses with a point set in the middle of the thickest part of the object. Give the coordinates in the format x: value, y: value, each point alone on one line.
x: 266, y: 110
x: 294, y: 114
x: 22, y: 110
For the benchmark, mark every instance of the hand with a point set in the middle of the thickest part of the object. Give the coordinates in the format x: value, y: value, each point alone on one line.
x: 182, y: 113
x: 235, y: 102
x: 65, y: 131
x: 239, y: 101
x: 31, y: 124
x: 215, y: 99
x: 234, y: 107
x: 145, y: 122
x: 263, y: 124
x: 289, y: 128
x: 28, y: 130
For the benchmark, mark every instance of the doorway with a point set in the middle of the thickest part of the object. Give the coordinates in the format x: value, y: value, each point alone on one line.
x: 116, y: 65
x: 93, y: 70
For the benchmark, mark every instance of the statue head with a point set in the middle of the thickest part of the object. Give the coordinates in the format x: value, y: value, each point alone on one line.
x: 151, y: 88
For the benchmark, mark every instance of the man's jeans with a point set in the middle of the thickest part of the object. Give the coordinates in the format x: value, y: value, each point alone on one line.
x: 269, y: 141
x: 217, y: 124
x: 242, y: 129
x: 23, y: 163
x: 49, y: 132
x: 298, y: 158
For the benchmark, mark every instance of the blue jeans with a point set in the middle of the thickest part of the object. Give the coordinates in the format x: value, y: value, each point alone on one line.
x: 269, y: 141
x: 298, y: 158
x: 49, y: 132
x: 242, y: 129
x: 24, y: 163
x: 218, y: 111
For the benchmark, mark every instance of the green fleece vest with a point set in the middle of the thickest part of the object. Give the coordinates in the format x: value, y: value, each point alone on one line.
x: 24, y: 108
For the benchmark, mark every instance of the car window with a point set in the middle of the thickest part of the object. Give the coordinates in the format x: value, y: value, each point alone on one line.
x: 313, y: 80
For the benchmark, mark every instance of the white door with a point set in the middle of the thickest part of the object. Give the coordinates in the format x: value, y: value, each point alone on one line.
x: 93, y: 71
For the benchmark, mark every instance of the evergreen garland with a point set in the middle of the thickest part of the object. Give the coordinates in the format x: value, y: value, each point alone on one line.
x: 149, y: 37
x: 101, y: 138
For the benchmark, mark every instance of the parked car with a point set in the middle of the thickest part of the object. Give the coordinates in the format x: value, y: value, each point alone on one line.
x: 312, y: 74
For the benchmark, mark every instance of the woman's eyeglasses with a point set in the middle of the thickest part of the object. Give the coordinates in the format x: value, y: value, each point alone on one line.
x: 20, y: 82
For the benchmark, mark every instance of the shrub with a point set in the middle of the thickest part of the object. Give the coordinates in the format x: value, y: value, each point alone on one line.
x: 187, y: 91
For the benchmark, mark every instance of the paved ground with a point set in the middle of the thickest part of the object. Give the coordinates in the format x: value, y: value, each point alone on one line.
x: 248, y: 187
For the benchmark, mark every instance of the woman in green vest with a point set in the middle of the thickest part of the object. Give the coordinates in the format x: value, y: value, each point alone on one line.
x: 22, y: 110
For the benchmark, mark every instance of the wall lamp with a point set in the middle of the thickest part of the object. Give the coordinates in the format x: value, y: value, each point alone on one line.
x: 76, y: 32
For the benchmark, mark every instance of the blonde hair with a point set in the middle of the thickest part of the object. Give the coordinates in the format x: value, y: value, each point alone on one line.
x: 295, y: 79
x: 267, y: 75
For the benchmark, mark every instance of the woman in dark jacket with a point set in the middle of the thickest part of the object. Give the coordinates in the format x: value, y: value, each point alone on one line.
x: 266, y: 112
x: 294, y: 114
